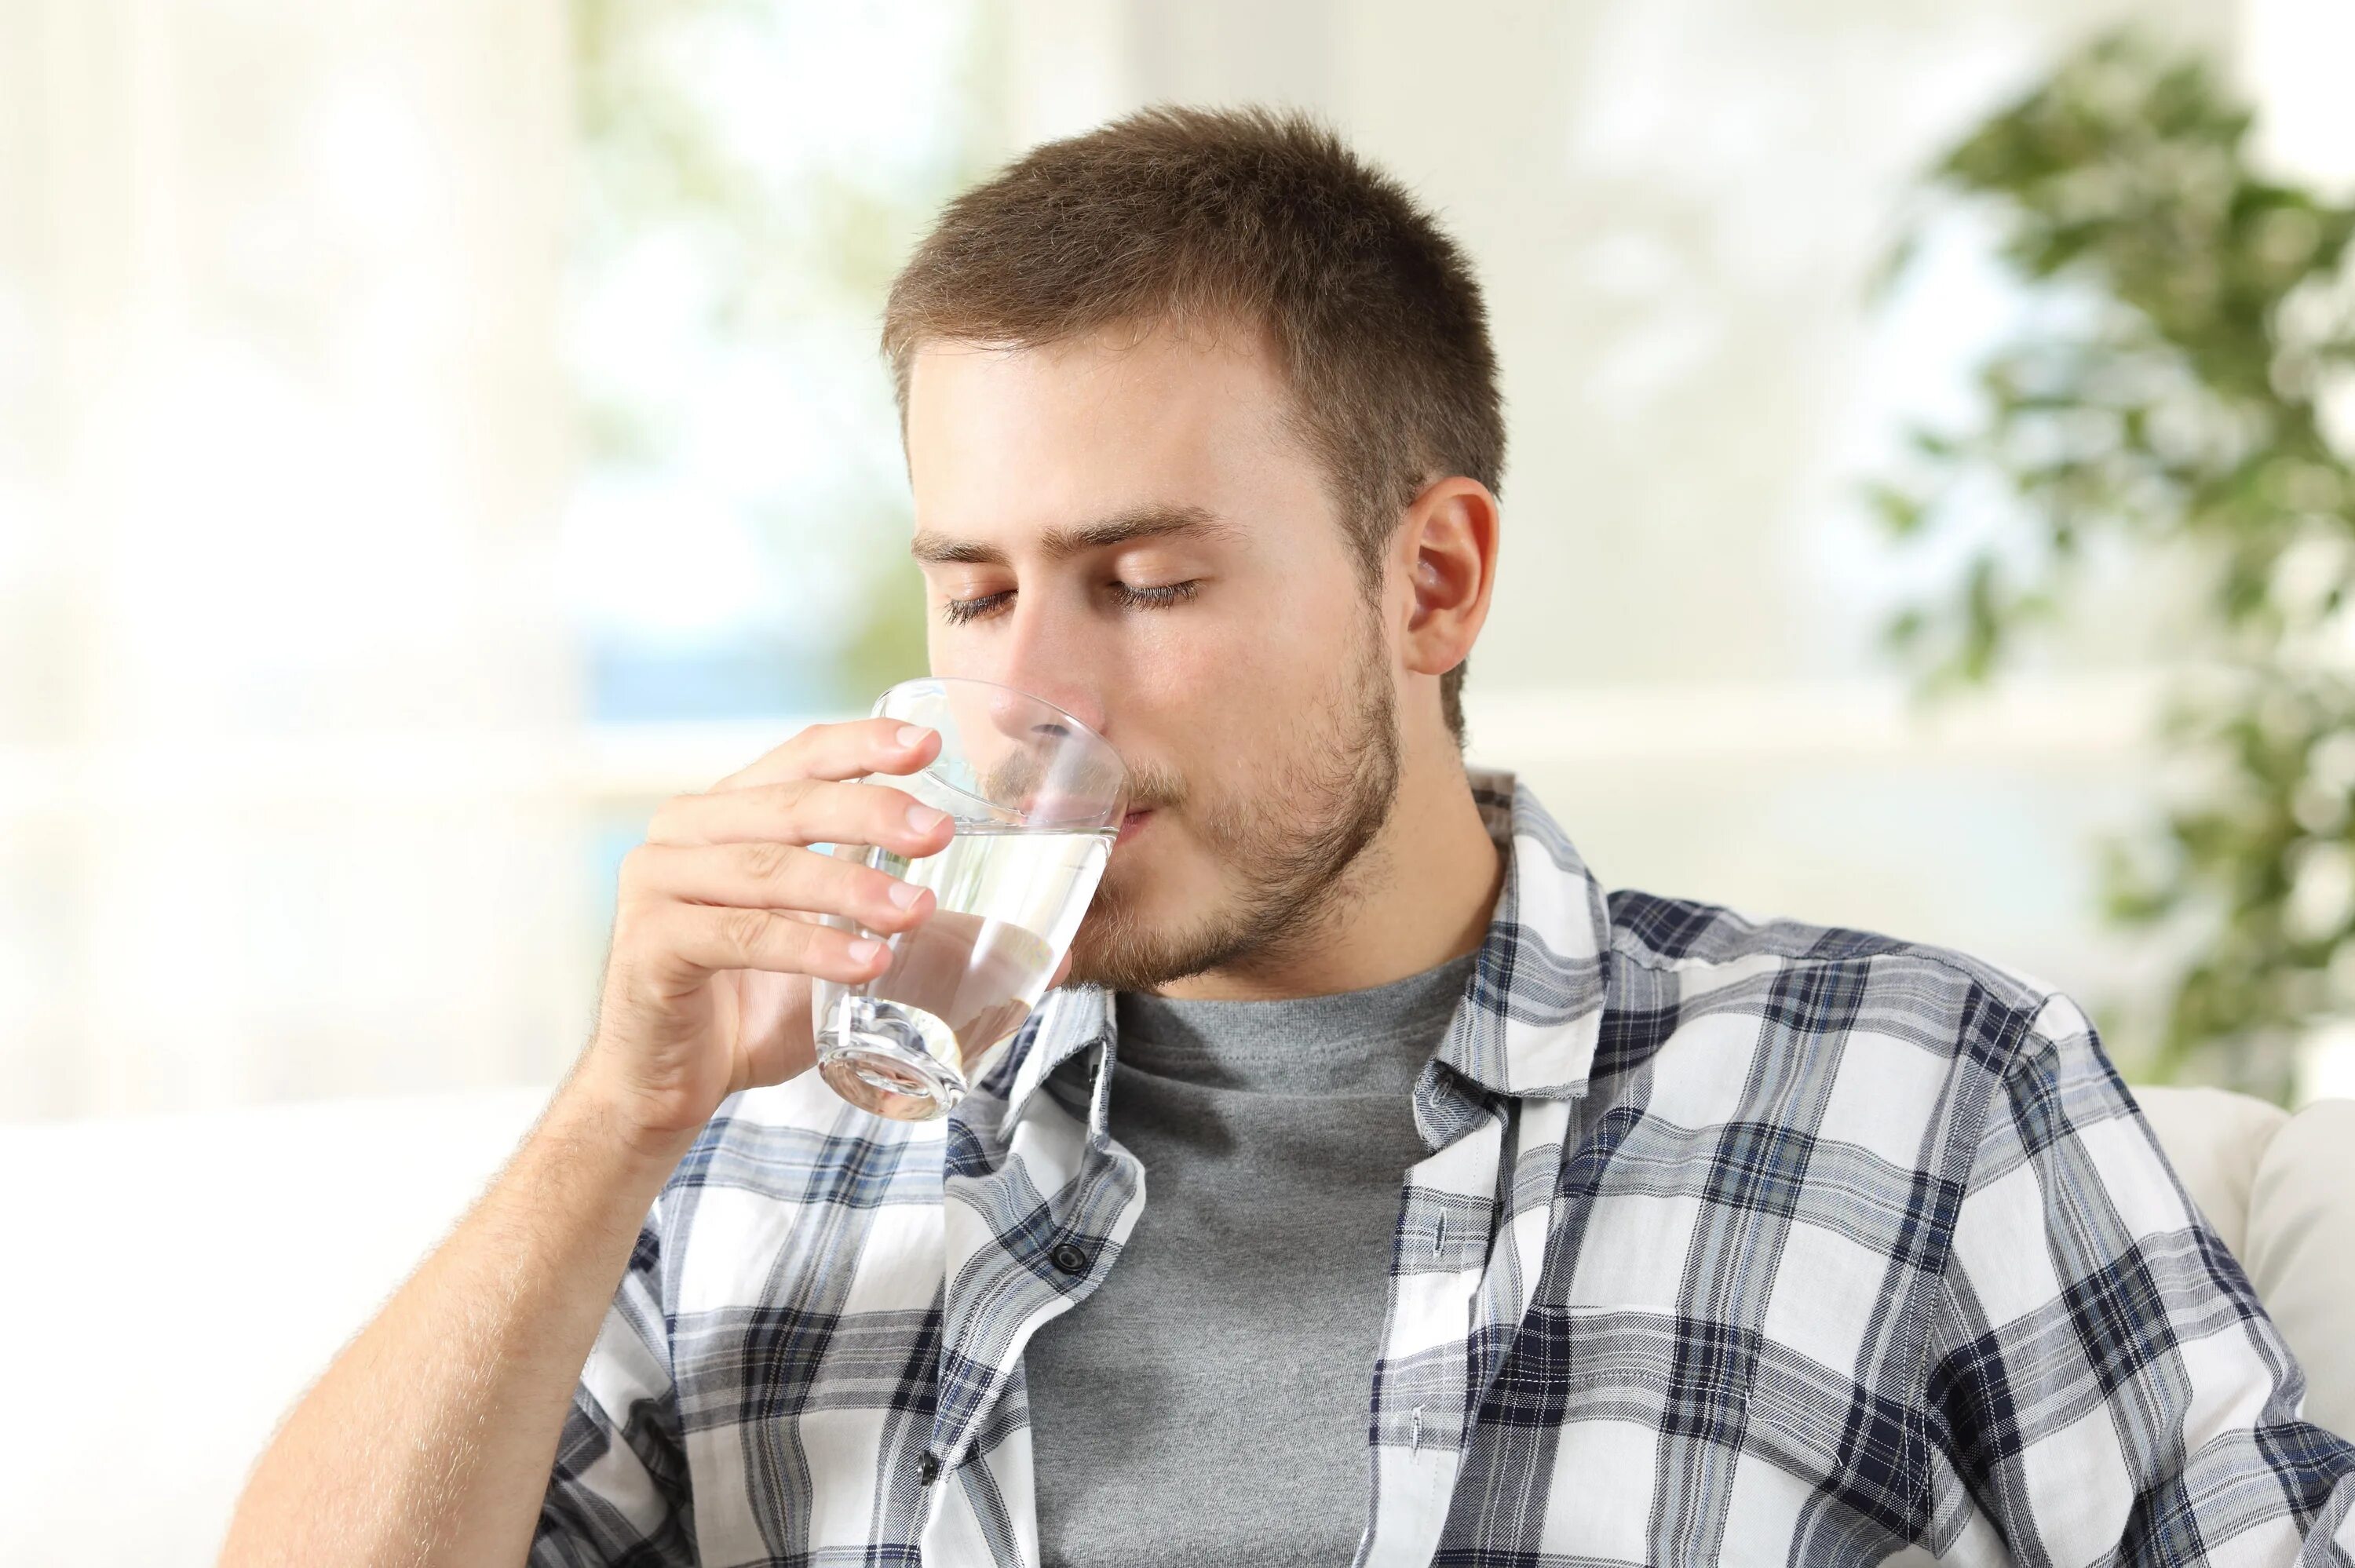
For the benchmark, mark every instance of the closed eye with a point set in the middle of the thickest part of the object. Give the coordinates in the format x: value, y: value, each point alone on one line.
x: 1155, y: 597
x: 957, y: 611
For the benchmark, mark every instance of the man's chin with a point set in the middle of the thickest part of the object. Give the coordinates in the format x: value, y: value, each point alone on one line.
x: 1093, y: 954
x: 1117, y: 950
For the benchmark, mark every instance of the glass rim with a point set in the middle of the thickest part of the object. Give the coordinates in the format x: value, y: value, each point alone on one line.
x: 1085, y: 730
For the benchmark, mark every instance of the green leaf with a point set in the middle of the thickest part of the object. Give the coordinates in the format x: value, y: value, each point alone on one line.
x: 2121, y: 197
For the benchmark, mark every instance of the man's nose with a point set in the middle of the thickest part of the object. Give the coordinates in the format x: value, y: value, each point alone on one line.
x: 1020, y: 720
x: 1048, y: 658
x: 1042, y: 775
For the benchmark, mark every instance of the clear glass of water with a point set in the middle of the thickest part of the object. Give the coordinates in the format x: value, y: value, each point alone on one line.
x: 1037, y: 798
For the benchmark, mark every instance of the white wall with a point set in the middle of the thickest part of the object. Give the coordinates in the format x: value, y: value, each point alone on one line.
x: 282, y: 444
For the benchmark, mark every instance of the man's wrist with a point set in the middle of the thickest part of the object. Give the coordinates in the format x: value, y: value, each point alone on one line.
x: 591, y: 1116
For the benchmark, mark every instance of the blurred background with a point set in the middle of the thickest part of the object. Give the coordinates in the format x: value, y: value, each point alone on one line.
x: 434, y: 431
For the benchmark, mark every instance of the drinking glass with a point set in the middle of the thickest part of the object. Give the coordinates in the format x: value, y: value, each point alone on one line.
x: 1037, y: 798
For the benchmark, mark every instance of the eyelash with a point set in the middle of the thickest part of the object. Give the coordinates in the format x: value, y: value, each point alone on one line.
x: 957, y: 611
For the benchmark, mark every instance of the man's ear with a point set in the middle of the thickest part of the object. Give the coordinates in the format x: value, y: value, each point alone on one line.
x: 1450, y: 535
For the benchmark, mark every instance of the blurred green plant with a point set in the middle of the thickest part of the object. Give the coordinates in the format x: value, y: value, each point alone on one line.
x: 812, y: 249
x: 2192, y: 343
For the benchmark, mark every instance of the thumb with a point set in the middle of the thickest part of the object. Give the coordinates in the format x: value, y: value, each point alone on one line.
x: 1062, y: 971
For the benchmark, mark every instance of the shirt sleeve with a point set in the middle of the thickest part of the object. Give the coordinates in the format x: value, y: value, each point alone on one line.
x: 617, y: 1496
x: 2103, y: 1383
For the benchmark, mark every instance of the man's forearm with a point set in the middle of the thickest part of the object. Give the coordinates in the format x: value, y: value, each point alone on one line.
x: 430, y: 1438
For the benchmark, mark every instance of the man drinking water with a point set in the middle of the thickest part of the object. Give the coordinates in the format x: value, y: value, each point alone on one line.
x: 1372, y: 1186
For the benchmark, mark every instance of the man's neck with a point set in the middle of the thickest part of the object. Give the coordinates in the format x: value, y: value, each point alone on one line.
x: 1418, y: 895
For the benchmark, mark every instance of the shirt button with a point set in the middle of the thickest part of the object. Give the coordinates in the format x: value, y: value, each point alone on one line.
x: 1069, y: 1258
x: 928, y: 1470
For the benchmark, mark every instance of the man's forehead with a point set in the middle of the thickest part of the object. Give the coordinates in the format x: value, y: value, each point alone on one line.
x: 1078, y: 444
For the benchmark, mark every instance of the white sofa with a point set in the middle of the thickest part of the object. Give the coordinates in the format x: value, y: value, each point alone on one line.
x: 2280, y: 1190
x: 178, y: 1280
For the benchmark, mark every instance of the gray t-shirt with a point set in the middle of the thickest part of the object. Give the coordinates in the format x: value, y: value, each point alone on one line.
x: 1208, y: 1403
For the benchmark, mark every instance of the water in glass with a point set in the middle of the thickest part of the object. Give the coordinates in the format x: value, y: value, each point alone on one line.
x: 962, y: 981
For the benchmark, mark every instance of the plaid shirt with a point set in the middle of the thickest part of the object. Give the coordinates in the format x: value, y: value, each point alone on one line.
x: 1738, y: 1242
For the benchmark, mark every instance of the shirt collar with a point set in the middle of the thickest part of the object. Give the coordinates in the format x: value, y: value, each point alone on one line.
x: 1532, y: 1012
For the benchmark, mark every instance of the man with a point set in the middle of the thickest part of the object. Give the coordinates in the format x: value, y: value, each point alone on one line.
x: 1372, y: 1186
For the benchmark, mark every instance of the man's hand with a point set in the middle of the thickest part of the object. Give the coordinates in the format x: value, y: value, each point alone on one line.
x: 718, y: 929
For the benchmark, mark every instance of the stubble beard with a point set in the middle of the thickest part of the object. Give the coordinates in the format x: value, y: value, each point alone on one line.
x: 1296, y: 846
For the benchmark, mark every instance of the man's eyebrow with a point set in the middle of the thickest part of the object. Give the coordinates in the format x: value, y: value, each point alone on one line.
x: 1063, y: 544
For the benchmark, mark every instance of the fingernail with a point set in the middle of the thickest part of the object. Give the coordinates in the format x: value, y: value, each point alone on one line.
x: 925, y: 819
x: 864, y: 949
x: 913, y: 734
x: 904, y: 894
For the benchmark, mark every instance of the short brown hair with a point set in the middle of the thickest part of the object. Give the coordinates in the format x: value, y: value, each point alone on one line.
x: 1253, y: 215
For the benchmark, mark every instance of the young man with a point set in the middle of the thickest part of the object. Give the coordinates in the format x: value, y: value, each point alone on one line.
x: 1372, y: 1186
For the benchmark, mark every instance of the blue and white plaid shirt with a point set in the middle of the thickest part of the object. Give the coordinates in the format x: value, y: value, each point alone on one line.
x: 1737, y: 1242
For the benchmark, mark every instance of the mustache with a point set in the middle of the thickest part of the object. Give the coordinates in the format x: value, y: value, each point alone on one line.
x: 1151, y: 788
x: 1025, y: 769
